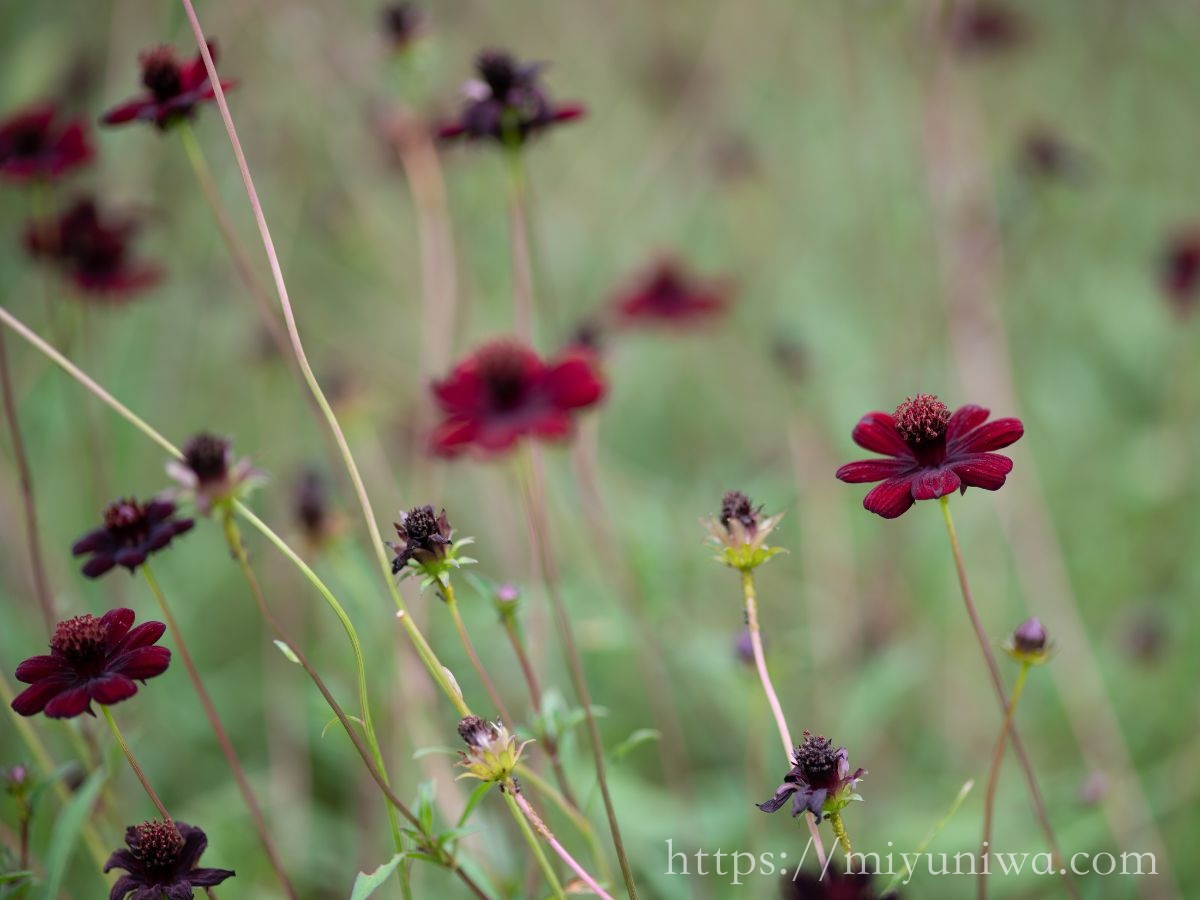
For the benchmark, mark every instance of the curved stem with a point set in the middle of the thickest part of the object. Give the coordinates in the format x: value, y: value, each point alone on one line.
x: 750, y: 597
x: 558, y: 848
x: 222, y: 736
x: 134, y: 764
x: 989, y: 799
x: 536, y: 512
x: 989, y: 658
x: 451, y: 601
x: 508, y: 791
x: 571, y: 811
x: 37, y: 565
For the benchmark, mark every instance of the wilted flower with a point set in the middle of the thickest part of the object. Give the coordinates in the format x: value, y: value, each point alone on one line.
x: 741, y: 532
x: 34, y: 144
x: 504, y: 391
x: 832, y: 884
x: 667, y: 294
x: 820, y: 781
x: 492, y: 753
x: 507, y: 103
x: 403, y: 24
x: 161, y: 860
x: 91, y: 659
x: 933, y: 452
x: 209, y: 474
x: 173, y: 89
x: 1180, y: 270
x: 1027, y: 644
x: 130, y: 533
x: 92, y: 250
x: 428, y: 546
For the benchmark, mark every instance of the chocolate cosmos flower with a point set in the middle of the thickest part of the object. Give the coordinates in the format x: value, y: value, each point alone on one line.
x: 161, y: 861
x: 173, y: 89
x: 210, y: 475
x: 668, y: 295
x: 34, y: 144
x: 92, y: 251
x: 933, y: 453
x: 130, y: 533
x: 507, y: 103
x: 504, y: 391
x: 426, y: 537
x: 832, y: 885
x: 91, y: 659
x: 820, y: 781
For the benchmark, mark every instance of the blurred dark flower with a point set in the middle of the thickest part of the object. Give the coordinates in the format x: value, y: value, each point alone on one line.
x: 403, y: 24
x: 92, y: 251
x: 492, y: 753
x: 1180, y: 270
x: 666, y: 294
x: 740, y: 532
x: 1046, y: 155
x: 209, y: 474
x: 426, y: 537
x: 1028, y: 644
x: 504, y: 391
x: 311, y: 508
x: 91, y: 659
x: 34, y: 144
x: 933, y: 453
x: 986, y: 27
x: 130, y: 533
x: 173, y: 89
x: 161, y: 860
x: 507, y: 102
x: 1144, y: 634
x: 832, y: 885
x: 819, y: 782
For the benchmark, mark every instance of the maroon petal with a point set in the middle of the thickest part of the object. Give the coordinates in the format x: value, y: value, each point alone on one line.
x: 112, y: 688
x: 553, y: 427
x: 930, y: 484
x: 130, y: 557
x: 890, y: 499
x: 964, y: 419
x: 33, y: 700
x: 573, y: 382
x: 90, y: 542
x: 143, y: 636
x: 495, y: 436
x: 38, y: 667
x: 118, y: 622
x: 876, y: 431
x: 195, y: 842
x: 123, y: 885
x: 462, y: 391
x: 121, y: 859
x: 992, y: 436
x: 453, y: 436
x: 984, y: 470
x: 98, y: 565
x: 867, y: 470
x: 146, y: 662
x: 138, y: 108
x: 209, y: 877
x: 70, y: 703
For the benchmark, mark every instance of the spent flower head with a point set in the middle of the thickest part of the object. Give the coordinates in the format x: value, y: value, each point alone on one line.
x: 820, y: 780
x: 428, y: 547
x: 740, y: 533
x: 1028, y: 643
x: 492, y: 753
x: 161, y: 859
x: 130, y: 533
x: 173, y: 89
x: 209, y: 474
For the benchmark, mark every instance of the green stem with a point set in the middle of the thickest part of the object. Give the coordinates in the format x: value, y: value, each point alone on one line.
x: 839, y: 831
x: 531, y: 839
x: 134, y: 764
x: 571, y: 811
x: 989, y: 798
x: 451, y: 600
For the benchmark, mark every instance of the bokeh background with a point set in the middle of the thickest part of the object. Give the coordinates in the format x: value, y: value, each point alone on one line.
x: 902, y: 201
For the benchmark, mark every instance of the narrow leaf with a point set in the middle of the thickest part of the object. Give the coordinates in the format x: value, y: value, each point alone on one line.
x: 368, y: 882
x: 66, y: 833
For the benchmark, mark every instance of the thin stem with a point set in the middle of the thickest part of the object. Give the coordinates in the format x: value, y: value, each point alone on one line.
x: 571, y: 811
x: 222, y: 736
x: 37, y: 565
x: 989, y: 658
x: 548, y: 741
x: 522, y: 266
x: 989, y: 799
x: 508, y: 790
x: 750, y: 598
x: 558, y: 848
x: 839, y: 831
x: 536, y: 512
x: 451, y: 601
x: 428, y: 657
x: 134, y: 764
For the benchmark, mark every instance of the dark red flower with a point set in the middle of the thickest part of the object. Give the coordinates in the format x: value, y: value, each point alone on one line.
x: 173, y: 89
x: 92, y: 250
x: 507, y: 102
x: 933, y: 453
x: 130, y: 533
x: 666, y: 294
x: 504, y: 391
x: 1180, y: 268
x: 1047, y: 155
x: 162, y: 862
x: 34, y: 144
x: 91, y: 659
x: 985, y: 26
x: 819, y: 782
x: 832, y: 884
x: 403, y: 24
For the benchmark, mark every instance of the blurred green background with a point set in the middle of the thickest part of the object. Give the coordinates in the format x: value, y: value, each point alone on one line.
x: 861, y: 183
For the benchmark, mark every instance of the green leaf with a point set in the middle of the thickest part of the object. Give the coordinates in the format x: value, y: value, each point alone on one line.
x: 635, y: 740
x: 368, y: 882
x: 66, y: 833
x: 13, y: 877
x: 430, y: 751
x: 473, y: 801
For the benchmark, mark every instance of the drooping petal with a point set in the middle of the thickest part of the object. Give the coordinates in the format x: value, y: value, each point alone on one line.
x: 121, y: 859
x: 964, y: 419
x: 890, y: 499
x: 122, y: 885
x: 992, y: 436
x: 180, y: 890
x: 929, y: 484
x: 98, y: 565
x: 782, y: 793
x: 209, y: 877
x: 143, y: 663
x: 90, y: 542
x: 130, y: 557
x: 70, y: 703
x: 37, y: 668
x: 33, y: 699
x: 983, y: 470
x: 112, y: 688
x: 868, y: 470
x: 195, y: 842
x: 876, y: 431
